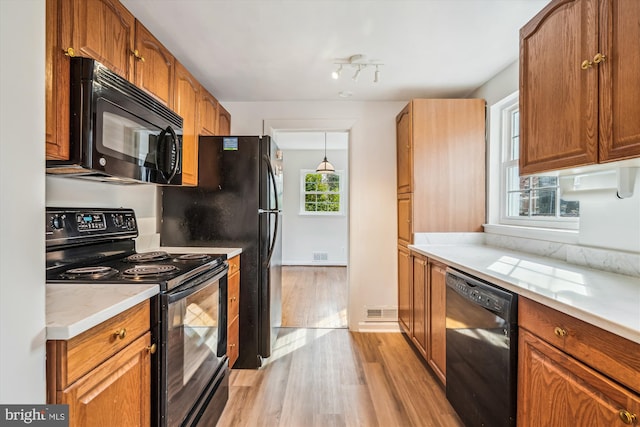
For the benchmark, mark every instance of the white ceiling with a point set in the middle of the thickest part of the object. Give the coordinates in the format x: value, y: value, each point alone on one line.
x: 284, y: 50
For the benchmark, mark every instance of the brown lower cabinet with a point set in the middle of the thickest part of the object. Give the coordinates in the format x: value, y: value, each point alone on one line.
x: 104, y: 374
x: 571, y: 373
x: 421, y: 307
x: 233, y: 313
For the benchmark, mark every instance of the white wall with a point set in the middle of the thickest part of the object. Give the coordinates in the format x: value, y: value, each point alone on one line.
x: 73, y: 192
x: 372, y: 254
x: 22, y: 191
x: 304, y: 234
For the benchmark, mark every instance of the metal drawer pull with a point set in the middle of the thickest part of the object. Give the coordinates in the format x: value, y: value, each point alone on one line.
x: 627, y: 417
x: 120, y: 334
x: 560, y: 332
x: 152, y: 348
x: 586, y: 64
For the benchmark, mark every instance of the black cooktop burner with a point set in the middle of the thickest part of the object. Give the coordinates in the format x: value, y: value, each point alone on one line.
x: 93, y: 273
x: 149, y: 270
x: 193, y: 257
x: 148, y: 257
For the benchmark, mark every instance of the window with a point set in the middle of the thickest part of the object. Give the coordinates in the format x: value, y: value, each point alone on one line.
x: 532, y: 200
x: 321, y: 193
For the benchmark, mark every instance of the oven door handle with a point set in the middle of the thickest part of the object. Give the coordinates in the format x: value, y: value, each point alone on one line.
x: 201, y: 282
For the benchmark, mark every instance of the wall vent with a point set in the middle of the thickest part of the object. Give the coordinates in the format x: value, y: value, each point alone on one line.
x: 320, y: 256
x: 381, y: 314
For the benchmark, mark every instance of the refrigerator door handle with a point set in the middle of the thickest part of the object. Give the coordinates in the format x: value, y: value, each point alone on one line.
x: 272, y: 178
x: 275, y: 211
x: 273, y: 238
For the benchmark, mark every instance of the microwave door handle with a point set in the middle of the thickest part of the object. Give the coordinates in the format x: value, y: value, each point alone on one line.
x: 159, y: 145
x: 174, y: 142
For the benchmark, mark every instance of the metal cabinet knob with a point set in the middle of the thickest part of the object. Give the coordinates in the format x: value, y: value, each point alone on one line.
x: 586, y: 64
x: 69, y: 52
x: 560, y: 332
x: 627, y: 417
x: 120, y: 334
x: 152, y: 348
x: 599, y: 58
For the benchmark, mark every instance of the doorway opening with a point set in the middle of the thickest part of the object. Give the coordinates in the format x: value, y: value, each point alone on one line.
x: 315, y: 228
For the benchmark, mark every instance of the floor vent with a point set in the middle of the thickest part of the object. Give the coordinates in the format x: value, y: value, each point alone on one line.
x: 381, y: 314
x: 320, y: 256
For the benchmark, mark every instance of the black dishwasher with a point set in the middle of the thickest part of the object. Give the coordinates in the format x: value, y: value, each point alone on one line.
x: 482, y: 336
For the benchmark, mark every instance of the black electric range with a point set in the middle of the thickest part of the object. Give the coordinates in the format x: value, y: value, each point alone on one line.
x: 97, y: 246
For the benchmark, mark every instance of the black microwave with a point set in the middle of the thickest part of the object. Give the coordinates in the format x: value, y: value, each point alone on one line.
x: 118, y: 133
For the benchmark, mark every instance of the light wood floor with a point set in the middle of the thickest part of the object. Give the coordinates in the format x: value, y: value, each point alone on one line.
x: 322, y: 375
x: 333, y: 377
x: 314, y: 297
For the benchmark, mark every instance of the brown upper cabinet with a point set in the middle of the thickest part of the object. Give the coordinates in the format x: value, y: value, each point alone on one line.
x: 224, y: 121
x: 154, y: 66
x: 441, y: 166
x: 102, y: 30
x: 186, y: 97
x: 56, y: 83
x: 208, y: 112
x: 579, y: 91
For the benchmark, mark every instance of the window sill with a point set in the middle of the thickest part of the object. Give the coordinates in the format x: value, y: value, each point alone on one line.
x: 546, y: 234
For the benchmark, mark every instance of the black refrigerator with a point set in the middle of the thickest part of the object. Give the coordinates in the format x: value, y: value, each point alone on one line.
x: 237, y: 203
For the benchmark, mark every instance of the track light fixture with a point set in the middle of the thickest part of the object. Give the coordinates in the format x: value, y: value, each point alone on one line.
x: 336, y: 74
x: 358, y: 62
x: 357, y: 73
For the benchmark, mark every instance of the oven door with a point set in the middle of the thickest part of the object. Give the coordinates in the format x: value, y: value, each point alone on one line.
x: 194, y: 344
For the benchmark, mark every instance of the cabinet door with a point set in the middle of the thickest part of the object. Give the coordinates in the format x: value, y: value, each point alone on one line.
x: 405, y: 210
x: 619, y: 81
x: 104, y: 30
x: 224, y: 121
x: 56, y: 82
x: 404, y: 150
x: 186, y: 105
x: 117, y: 392
x: 420, y: 303
x: 558, y: 98
x: 556, y: 390
x: 404, y: 289
x: 154, y: 66
x: 437, y: 357
x: 208, y: 115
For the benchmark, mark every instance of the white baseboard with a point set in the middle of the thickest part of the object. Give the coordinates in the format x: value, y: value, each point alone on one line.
x: 314, y: 263
x: 379, y: 327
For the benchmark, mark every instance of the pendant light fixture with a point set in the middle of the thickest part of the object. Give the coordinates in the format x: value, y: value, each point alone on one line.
x: 325, y: 167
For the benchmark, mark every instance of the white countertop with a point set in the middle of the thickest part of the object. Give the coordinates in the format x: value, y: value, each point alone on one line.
x: 229, y: 252
x: 75, y: 308
x: 607, y: 300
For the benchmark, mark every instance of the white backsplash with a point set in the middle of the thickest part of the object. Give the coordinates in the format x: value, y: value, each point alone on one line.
x: 627, y: 263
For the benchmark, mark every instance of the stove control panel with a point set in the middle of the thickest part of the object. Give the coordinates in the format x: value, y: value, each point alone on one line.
x: 64, y: 226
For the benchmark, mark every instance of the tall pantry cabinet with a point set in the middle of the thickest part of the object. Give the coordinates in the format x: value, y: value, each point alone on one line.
x: 441, y: 188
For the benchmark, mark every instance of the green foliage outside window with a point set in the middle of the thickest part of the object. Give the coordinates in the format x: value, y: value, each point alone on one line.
x: 321, y: 192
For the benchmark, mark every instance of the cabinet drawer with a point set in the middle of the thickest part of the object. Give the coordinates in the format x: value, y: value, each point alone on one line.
x: 82, y: 353
x: 233, y: 287
x: 604, y: 351
x: 233, y: 330
x: 234, y: 265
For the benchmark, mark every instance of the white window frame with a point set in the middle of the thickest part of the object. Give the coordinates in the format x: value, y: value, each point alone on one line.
x: 506, y: 108
x: 303, y: 192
